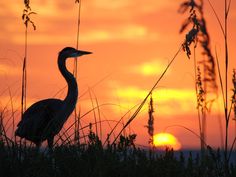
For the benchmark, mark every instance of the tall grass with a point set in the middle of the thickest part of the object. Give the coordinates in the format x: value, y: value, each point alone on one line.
x: 206, y: 61
x: 192, y: 5
x: 121, y: 159
x: 224, y: 89
x: 150, y: 125
x: 26, y: 17
x: 75, y: 72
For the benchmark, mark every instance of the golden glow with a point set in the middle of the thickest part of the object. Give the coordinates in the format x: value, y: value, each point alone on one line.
x: 160, y: 94
x: 163, y: 140
x: 167, y: 101
x: 149, y: 68
x: 8, y: 70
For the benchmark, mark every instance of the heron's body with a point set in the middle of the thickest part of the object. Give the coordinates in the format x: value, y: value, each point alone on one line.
x: 44, y: 119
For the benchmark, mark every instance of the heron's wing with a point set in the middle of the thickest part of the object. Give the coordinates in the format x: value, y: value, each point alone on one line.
x: 37, y: 116
x: 41, y: 109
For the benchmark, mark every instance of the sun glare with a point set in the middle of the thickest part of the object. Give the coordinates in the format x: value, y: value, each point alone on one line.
x: 163, y: 140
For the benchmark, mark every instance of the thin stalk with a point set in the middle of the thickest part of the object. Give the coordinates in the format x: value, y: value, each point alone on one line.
x: 220, y: 77
x: 186, y: 128
x: 231, y: 149
x: 25, y: 78
x: 226, y: 85
x: 220, y: 126
x: 82, y: 128
x: 85, y: 141
x: 149, y: 93
x: 12, y: 113
x: 198, y: 109
x: 99, y: 116
x: 230, y: 110
x: 217, y: 17
x: 119, y: 122
x: 76, y: 127
x: 24, y: 75
x: 228, y: 8
x: 76, y: 71
x: 94, y: 113
x: 85, y: 114
x: 88, y: 112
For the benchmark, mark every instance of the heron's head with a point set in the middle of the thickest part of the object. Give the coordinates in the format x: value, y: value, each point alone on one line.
x: 71, y: 52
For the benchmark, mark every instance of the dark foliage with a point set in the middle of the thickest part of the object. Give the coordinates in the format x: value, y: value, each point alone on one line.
x: 200, y: 34
x: 118, y: 160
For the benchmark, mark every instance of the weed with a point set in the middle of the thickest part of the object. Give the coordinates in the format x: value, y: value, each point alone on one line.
x: 26, y: 17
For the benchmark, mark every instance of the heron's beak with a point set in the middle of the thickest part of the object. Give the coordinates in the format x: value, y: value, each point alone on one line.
x: 81, y: 52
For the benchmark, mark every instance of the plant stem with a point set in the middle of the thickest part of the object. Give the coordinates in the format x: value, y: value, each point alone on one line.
x: 77, y: 121
x: 226, y: 87
x: 149, y: 93
x: 24, y: 75
x: 196, y: 92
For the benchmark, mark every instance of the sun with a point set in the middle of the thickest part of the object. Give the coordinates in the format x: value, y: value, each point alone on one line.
x: 163, y: 140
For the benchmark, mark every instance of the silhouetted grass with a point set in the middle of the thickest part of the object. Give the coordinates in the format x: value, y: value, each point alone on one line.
x: 199, y: 34
x: 120, y: 159
x: 26, y: 17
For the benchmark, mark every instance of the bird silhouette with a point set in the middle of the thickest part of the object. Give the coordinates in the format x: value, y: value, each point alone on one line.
x: 44, y: 119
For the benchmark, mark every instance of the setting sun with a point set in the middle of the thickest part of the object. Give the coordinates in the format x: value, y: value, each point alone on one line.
x: 161, y: 140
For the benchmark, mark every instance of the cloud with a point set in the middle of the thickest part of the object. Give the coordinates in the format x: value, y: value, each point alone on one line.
x: 162, y: 95
x: 130, y: 33
x: 55, y: 17
x: 130, y: 4
x: 107, y: 4
x: 149, y: 68
x: 6, y: 70
x: 166, y: 101
x: 11, y: 8
x: 42, y: 8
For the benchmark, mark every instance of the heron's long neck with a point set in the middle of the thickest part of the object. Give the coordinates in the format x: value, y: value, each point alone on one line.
x: 72, y: 94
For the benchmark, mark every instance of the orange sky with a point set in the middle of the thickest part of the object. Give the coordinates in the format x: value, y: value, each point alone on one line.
x: 132, y: 42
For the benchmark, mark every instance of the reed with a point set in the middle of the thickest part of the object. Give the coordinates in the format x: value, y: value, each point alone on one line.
x: 197, y: 20
x: 224, y: 84
x: 209, y: 67
x: 75, y: 71
x: 150, y: 125
x: 26, y: 17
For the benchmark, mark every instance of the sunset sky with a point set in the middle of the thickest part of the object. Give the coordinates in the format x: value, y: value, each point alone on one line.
x: 132, y: 42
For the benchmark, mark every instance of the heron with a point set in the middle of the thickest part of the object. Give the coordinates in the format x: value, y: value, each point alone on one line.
x: 44, y: 119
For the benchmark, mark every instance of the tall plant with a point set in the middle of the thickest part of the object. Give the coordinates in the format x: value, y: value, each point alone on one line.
x: 27, y: 12
x: 224, y: 85
x: 76, y: 117
x: 207, y: 62
x: 150, y: 125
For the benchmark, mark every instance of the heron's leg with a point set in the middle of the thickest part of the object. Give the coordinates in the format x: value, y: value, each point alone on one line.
x: 50, y: 142
x: 38, y: 144
x: 50, y: 146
